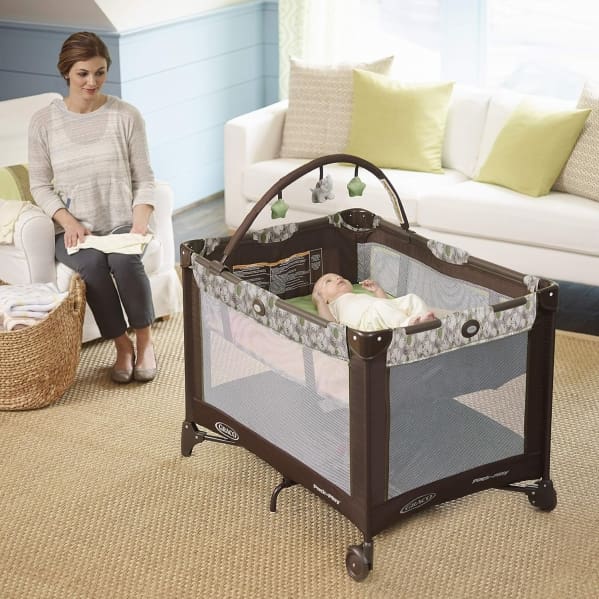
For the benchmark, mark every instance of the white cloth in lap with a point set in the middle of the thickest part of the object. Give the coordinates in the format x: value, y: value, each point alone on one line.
x: 123, y: 243
x: 365, y: 312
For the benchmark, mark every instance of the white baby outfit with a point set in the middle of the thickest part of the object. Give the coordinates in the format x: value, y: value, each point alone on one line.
x: 365, y: 312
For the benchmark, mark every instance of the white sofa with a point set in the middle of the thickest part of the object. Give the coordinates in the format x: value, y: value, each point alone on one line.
x: 30, y: 259
x: 554, y: 236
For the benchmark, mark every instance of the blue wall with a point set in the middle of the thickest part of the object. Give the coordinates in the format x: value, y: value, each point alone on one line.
x: 187, y: 77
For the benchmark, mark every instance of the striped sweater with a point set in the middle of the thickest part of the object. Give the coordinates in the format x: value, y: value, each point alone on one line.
x: 95, y: 164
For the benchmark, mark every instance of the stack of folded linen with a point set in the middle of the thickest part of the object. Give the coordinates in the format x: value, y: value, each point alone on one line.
x: 25, y: 305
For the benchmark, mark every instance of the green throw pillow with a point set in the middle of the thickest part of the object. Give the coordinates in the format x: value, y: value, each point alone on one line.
x: 14, y: 183
x: 396, y: 125
x: 532, y: 148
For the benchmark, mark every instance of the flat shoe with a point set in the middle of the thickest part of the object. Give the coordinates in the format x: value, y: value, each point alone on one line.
x: 144, y: 375
x: 123, y: 376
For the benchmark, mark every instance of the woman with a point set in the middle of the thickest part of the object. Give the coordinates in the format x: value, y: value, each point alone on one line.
x: 89, y: 171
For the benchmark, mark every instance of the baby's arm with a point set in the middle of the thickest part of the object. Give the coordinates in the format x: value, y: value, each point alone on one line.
x: 374, y: 287
x: 322, y: 307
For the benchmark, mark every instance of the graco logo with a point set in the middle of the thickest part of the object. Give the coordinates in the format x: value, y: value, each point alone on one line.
x: 227, y: 431
x: 418, y: 502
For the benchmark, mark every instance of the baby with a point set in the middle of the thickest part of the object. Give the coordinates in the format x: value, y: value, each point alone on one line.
x: 335, y: 300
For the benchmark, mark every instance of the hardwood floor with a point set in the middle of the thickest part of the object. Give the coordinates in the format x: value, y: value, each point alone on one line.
x: 203, y: 219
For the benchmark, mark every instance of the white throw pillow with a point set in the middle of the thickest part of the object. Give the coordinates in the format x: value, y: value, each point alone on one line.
x: 580, y: 176
x: 464, y: 128
x: 318, y: 119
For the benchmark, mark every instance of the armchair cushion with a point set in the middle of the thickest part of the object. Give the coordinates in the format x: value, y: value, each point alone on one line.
x: 14, y: 183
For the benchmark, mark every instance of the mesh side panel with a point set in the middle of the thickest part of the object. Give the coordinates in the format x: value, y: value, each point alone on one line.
x: 455, y: 412
x: 399, y: 274
x: 292, y: 396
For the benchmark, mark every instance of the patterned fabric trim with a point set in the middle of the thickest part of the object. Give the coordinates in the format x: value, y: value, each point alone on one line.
x: 259, y: 304
x: 447, y: 253
x: 210, y: 244
x: 493, y: 325
x: 531, y: 282
x: 337, y: 221
x: 276, y: 233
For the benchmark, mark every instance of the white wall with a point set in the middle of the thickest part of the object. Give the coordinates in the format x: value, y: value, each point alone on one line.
x: 106, y: 15
x: 80, y: 13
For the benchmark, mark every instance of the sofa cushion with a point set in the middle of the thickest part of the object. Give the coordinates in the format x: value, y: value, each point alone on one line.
x: 405, y: 128
x: 320, y: 101
x: 464, y: 128
x: 581, y: 173
x: 14, y: 183
x: 557, y: 220
x: 259, y: 177
x: 532, y: 148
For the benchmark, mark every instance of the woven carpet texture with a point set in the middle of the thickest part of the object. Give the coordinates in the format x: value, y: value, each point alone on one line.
x: 96, y: 501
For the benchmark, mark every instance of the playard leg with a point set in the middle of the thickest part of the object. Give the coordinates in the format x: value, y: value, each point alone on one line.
x: 359, y: 558
x: 191, y: 435
x: 286, y: 482
x: 541, y: 494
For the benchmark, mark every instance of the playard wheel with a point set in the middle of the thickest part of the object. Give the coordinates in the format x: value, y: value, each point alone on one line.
x: 356, y: 562
x: 544, y: 496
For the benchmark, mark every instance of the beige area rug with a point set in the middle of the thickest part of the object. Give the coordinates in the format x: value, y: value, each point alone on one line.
x: 96, y: 501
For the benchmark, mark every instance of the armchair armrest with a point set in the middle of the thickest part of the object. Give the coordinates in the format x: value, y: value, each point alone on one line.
x: 31, y: 257
x: 250, y: 138
x: 161, y: 223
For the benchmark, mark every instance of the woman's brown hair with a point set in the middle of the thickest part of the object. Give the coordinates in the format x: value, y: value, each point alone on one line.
x: 82, y: 45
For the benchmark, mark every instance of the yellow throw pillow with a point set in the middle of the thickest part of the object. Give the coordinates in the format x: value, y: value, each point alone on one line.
x: 532, y: 148
x: 14, y: 183
x: 396, y: 125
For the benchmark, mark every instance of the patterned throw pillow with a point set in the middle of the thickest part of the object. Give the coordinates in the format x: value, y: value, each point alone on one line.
x: 320, y: 107
x: 580, y: 176
x: 14, y: 183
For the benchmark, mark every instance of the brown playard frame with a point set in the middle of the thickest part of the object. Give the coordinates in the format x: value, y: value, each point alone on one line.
x: 378, y: 424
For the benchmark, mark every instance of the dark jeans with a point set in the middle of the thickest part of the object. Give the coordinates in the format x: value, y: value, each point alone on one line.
x: 132, y: 283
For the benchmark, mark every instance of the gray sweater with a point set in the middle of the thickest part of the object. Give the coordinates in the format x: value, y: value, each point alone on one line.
x: 95, y: 164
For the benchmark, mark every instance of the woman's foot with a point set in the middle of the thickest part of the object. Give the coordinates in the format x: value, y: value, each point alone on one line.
x: 122, y: 370
x: 145, y: 366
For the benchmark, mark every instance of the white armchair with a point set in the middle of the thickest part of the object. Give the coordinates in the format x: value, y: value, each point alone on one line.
x: 30, y: 259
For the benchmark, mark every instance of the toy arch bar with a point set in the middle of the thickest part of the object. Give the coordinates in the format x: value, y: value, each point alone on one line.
x: 295, y: 174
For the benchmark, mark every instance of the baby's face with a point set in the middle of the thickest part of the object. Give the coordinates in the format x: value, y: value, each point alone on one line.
x: 331, y: 286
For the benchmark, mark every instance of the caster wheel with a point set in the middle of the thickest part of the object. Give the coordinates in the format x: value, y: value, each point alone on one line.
x: 544, y: 497
x: 356, y: 563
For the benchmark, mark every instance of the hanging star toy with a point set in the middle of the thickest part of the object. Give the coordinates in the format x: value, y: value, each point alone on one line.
x: 356, y: 186
x: 279, y: 208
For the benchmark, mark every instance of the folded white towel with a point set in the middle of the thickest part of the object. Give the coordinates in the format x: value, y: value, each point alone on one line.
x: 10, y: 210
x: 118, y: 243
x: 33, y: 300
x: 10, y: 323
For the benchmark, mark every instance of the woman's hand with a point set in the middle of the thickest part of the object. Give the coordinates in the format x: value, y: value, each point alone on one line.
x: 141, y: 218
x: 74, y: 231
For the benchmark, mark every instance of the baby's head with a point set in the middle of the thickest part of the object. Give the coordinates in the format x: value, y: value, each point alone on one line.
x: 329, y: 287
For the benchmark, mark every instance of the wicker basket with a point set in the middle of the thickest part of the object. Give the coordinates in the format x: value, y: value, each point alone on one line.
x: 38, y: 363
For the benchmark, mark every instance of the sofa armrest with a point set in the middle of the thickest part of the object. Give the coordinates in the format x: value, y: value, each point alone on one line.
x: 249, y: 138
x: 161, y: 223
